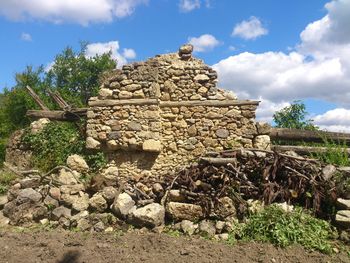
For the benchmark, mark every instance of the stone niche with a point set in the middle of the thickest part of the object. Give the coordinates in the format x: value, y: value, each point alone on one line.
x: 155, y: 116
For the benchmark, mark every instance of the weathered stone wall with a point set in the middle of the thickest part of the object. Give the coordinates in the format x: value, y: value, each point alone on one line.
x: 154, y: 116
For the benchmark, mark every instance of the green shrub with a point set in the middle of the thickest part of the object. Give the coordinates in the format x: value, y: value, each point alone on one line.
x: 284, y: 229
x: 56, y: 142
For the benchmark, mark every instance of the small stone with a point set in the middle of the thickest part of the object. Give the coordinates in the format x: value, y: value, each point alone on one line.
x: 158, y: 189
x: 343, y: 203
x: 192, y: 131
x: 263, y: 128
x: 30, y: 182
x: 39, y: 125
x: 66, y: 177
x: 176, y: 196
x: 77, y: 163
x: 285, y: 207
x: 151, y: 215
x: 201, y: 78
x: 123, y: 205
x: 152, y: 146
x: 222, y: 237
x: 4, y: 221
x: 110, y: 175
x: 262, y: 142
x: 109, y: 229
x: 186, y: 49
x: 109, y: 193
x: 3, y: 200
x: 222, y: 133
x: 207, y: 228
x: 125, y: 94
x: 55, y: 193
x: 50, y: 202
x: 98, y: 203
x: 28, y: 195
x: 183, y: 211
x: 133, y: 87
x: 44, y: 221
x: 83, y: 224
x: 81, y: 203
x: 91, y: 143
x: 139, y: 94
x: 328, y: 172
x: 99, y: 227
x: 105, y: 93
x: 188, y: 227
x: 61, y: 211
x: 220, y: 225
x: 134, y: 126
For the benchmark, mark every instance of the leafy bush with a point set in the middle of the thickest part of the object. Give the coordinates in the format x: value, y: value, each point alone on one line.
x: 284, y: 229
x: 56, y: 142
x: 335, y: 154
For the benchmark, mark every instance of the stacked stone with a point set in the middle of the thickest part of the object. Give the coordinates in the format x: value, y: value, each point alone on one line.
x: 139, y: 112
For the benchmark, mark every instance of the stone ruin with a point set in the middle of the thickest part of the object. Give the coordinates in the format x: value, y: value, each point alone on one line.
x: 154, y: 116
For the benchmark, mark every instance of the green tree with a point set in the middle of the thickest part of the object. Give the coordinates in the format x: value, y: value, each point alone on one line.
x: 76, y: 76
x: 73, y: 74
x: 294, y: 117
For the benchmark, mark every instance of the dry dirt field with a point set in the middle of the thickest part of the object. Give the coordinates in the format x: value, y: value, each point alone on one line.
x: 73, y: 247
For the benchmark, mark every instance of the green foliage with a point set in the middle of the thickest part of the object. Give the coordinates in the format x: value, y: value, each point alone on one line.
x: 293, y: 117
x: 76, y: 76
x: 73, y: 74
x: 6, y: 178
x: 285, y: 229
x: 55, y: 143
x: 335, y: 154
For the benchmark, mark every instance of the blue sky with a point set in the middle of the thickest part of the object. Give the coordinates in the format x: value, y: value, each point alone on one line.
x: 275, y: 51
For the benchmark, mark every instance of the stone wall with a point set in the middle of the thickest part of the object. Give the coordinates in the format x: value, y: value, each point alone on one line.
x: 154, y: 116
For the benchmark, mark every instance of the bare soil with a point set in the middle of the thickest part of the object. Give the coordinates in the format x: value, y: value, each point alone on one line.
x: 73, y: 247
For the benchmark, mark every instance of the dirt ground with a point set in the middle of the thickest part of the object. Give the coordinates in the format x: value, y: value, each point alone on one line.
x: 73, y: 247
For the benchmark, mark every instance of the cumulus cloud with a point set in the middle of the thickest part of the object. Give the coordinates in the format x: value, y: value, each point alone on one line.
x: 129, y: 53
x: 334, y: 120
x: 189, y: 5
x: 77, y: 11
x: 26, y: 37
x: 319, y: 67
x: 250, y: 29
x: 204, y: 43
x: 113, y: 47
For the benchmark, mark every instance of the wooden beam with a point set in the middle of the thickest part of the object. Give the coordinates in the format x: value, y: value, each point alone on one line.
x: 73, y: 115
x: 59, y: 100
x: 213, y: 103
x: 36, y: 98
x: 309, y: 136
x: 218, y: 160
x: 107, y: 103
x: 191, y: 103
x: 304, y: 150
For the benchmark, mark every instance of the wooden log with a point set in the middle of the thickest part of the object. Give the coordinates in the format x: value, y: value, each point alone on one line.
x: 303, y: 150
x: 309, y: 136
x: 73, y: 115
x: 218, y: 161
x: 191, y: 103
x: 214, y: 103
x: 36, y: 98
x: 107, y: 103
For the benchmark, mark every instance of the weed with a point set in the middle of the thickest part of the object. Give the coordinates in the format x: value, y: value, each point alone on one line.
x: 172, y: 232
x: 6, y: 178
x: 284, y: 229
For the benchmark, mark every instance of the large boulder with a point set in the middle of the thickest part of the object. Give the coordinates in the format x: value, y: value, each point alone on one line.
x: 183, y: 211
x: 151, y: 215
x: 28, y: 195
x: 77, y: 163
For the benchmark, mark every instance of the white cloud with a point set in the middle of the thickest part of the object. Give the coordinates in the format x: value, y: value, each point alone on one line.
x: 334, y: 120
x: 319, y: 67
x: 249, y: 29
x: 129, y: 53
x: 204, y: 43
x: 113, y: 47
x: 189, y: 5
x: 26, y: 37
x: 77, y: 11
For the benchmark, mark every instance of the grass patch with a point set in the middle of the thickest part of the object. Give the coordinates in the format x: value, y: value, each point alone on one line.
x: 284, y: 229
x: 6, y: 178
